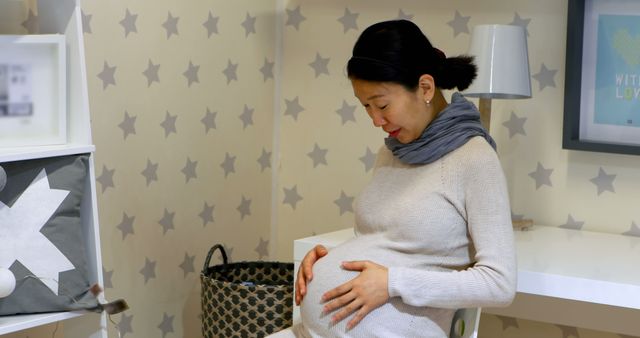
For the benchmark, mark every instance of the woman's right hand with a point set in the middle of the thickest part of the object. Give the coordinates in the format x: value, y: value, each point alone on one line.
x: 305, y: 273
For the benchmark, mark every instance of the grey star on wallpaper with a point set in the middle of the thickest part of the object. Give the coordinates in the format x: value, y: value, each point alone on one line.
x: 166, y: 326
x: 211, y: 24
x: 344, y: 202
x: 151, y: 73
x: 209, y: 120
x: 150, y: 173
x: 568, y: 331
x: 264, y: 160
x: 167, y: 221
x: 263, y: 248
x: 107, y: 277
x: 244, y: 208
x: 86, y: 22
x: 31, y: 23
x: 107, y: 75
x: 249, y: 25
x: 207, y: 214
x: 291, y: 196
x: 228, y: 164
x: 508, y: 322
x: 460, y: 24
x: 148, y: 270
x: 604, y: 181
x: 369, y: 159
x: 294, y: 18
x: 230, y: 71
x: 542, y: 176
x: 572, y: 224
x: 171, y: 25
x: 169, y: 124
x: 518, y: 21
x: 404, y: 16
x: 191, y: 74
x: 346, y: 112
x: 246, y: 117
x: 318, y: 155
x: 126, y: 225
x: 634, y: 230
x: 189, y: 170
x: 124, y: 326
x: 128, y: 125
x: 129, y: 23
x: 515, y: 125
x: 187, y: 264
x: 319, y: 65
x: 545, y: 77
x: 293, y: 108
x: 348, y: 20
x: 267, y: 70
x: 106, y: 178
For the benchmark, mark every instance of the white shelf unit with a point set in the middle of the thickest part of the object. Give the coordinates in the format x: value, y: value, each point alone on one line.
x: 63, y: 17
x: 568, y: 277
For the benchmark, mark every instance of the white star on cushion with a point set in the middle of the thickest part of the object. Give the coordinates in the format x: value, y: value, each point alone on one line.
x: 21, y: 236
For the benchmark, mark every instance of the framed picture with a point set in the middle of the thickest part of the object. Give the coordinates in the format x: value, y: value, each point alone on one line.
x: 602, y: 80
x: 33, y: 90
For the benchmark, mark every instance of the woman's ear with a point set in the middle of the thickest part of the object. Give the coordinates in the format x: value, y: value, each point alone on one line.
x: 427, y: 87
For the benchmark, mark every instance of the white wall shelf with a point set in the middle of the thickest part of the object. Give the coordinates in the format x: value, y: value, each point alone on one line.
x: 568, y: 277
x: 62, y: 17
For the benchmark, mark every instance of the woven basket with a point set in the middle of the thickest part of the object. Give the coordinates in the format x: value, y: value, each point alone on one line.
x: 246, y: 299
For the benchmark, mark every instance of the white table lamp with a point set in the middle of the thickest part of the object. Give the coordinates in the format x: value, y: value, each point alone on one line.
x: 501, y: 55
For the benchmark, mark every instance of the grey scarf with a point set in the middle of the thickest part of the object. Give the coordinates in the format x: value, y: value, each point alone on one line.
x: 452, y: 128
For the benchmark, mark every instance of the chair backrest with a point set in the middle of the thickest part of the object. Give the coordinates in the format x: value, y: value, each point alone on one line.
x: 465, y: 323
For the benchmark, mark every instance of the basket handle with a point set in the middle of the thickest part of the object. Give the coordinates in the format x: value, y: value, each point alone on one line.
x: 211, y: 251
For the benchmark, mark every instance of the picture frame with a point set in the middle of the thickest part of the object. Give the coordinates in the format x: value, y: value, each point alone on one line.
x: 33, y: 90
x: 602, y: 77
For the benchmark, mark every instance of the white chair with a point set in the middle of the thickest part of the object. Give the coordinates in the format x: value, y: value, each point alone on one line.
x: 465, y: 323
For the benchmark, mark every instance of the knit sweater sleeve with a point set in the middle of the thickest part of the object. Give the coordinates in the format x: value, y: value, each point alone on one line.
x: 491, y: 280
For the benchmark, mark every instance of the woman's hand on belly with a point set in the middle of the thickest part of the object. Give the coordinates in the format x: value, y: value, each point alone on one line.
x: 305, y: 274
x: 363, y: 294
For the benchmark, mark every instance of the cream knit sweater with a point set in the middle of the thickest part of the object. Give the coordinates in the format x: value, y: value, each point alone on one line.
x: 444, y: 232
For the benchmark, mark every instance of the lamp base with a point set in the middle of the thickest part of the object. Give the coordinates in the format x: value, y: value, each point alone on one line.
x: 484, y: 106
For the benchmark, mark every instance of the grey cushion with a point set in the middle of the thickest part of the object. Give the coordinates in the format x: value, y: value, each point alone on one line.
x: 63, y: 229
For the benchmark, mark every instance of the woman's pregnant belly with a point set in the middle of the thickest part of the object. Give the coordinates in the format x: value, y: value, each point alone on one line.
x: 328, y: 274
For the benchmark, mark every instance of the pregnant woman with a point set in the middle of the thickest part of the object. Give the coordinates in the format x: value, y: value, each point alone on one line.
x: 433, y: 227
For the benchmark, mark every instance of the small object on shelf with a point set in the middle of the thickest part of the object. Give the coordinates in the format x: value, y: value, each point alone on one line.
x: 522, y: 224
x: 7, y: 282
x: 33, y: 90
x: 114, y: 307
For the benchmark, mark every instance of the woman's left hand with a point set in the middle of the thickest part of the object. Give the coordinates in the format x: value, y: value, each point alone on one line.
x: 362, y: 294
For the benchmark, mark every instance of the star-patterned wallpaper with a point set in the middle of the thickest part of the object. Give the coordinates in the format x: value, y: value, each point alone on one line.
x: 210, y: 131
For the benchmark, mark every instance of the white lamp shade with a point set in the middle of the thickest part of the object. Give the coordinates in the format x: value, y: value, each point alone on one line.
x: 501, y: 55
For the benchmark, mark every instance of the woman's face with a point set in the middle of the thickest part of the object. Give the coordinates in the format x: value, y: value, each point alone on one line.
x: 401, y: 113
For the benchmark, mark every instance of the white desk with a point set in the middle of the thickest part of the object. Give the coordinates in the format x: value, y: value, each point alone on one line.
x: 568, y: 277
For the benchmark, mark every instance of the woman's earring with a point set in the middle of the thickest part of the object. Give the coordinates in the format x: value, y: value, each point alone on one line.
x: 428, y: 102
